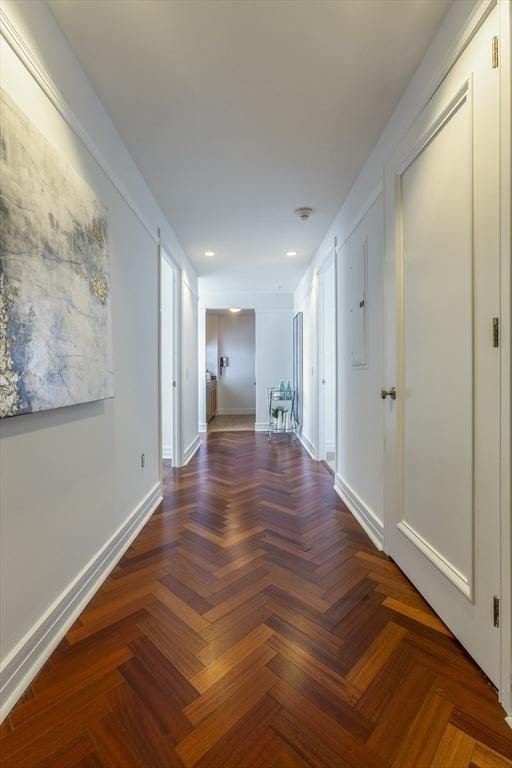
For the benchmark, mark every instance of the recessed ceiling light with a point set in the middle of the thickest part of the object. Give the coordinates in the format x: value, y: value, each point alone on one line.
x: 209, y: 253
x: 234, y: 309
x: 291, y: 253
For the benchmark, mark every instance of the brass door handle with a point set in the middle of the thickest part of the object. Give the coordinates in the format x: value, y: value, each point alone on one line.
x: 388, y: 393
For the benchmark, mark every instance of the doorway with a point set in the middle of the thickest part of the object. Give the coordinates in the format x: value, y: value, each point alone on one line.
x: 230, y: 370
x: 443, y: 305
x: 327, y: 364
x: 169, y: 362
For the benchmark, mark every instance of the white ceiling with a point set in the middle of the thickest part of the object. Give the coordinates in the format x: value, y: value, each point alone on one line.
x: 239, y: 111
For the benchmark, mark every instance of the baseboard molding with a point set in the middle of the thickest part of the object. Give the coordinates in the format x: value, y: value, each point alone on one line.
x: 191, y: 449
x: 166, y: 451
x: 308, y: 445
x: 27, y: 658
x: 261, y: 426
x: 363, y: 514
x: 203, y: 426
x: 235, y: 412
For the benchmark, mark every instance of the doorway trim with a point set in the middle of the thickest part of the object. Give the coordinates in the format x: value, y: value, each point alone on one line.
x: 219, y: 309
x: 329, y: 261
x: 505, y: 26
x: 176, y: 440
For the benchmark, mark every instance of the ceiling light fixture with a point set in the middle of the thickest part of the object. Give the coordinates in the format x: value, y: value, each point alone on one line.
x: 234, y: 309
x: 291, y: 253
x: 209, y: 253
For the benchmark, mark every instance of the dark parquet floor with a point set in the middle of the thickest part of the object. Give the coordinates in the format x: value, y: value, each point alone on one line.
x: 252, y: 623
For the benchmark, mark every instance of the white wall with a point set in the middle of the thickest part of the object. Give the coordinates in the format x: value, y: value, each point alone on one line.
x: 274, y: 338
x: 360, y: 412
x: 167, y: 316
x: 72, y: 477
x: 360, y: 428
x: 212, y: 343
x: 243, y: 299
x: 235, y: 388
x: 360, y: 421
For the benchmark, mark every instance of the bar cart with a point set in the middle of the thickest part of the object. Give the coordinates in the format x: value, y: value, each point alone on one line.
x: 281, y: 419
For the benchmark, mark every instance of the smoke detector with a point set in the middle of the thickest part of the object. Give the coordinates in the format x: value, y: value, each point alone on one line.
x: 304, y: 213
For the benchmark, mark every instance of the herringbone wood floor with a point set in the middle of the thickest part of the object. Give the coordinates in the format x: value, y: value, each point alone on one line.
x: 252, y: 623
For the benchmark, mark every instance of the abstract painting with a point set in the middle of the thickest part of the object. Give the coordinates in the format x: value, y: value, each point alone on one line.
x: 55, y: 317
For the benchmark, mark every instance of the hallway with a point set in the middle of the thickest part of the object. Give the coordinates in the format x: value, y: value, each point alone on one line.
x: 252, y: 623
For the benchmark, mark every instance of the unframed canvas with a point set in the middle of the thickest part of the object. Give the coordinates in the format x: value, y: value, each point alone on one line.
x: 55, y: 315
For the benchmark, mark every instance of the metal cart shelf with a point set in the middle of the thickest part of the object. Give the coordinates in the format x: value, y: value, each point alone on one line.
x: 282, y: 403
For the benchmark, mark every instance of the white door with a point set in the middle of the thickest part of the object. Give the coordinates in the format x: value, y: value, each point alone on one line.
x: 327, y: 363
x: 442, y: 283
x: 168, y: 350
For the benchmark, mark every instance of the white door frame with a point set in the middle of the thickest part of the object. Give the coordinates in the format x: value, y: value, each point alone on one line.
x: 329, y: 261
x: 201, y: 369
x: 177, y: 447
x: 505, y: 22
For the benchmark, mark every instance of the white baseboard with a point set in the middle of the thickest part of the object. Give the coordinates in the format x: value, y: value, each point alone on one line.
x: 235, y: 412
x: 330, y: 447
x: 308, y: 445
x: 363, y: 514
x: 27, y: 658
x: 203, y: 426
x: 261, y: 426
x: 166, y: 451
x: 191, y: 449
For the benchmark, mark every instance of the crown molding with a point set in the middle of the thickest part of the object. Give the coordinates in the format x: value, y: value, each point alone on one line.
x: 34, y: 67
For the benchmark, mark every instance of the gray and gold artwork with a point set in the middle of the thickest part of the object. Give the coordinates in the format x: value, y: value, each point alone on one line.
x: 55, y: 315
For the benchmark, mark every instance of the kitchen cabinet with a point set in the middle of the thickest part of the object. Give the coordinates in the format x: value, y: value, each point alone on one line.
x: 211, y: 400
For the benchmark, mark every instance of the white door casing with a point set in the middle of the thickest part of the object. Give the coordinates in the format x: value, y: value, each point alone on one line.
x: 442, y: 279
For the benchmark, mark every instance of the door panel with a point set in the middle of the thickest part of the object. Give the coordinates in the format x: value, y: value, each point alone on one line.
x: 327, y: 362
x: 442, y: 292
x: 437, y: 348
x: 357, y: 270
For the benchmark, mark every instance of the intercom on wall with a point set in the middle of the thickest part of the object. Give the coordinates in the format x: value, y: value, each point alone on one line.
x: 224, y: 363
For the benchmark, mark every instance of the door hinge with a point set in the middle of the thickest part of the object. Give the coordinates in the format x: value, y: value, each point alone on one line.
x: 496, y: 611
x: 495, y: 331
x: 495, y: 51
